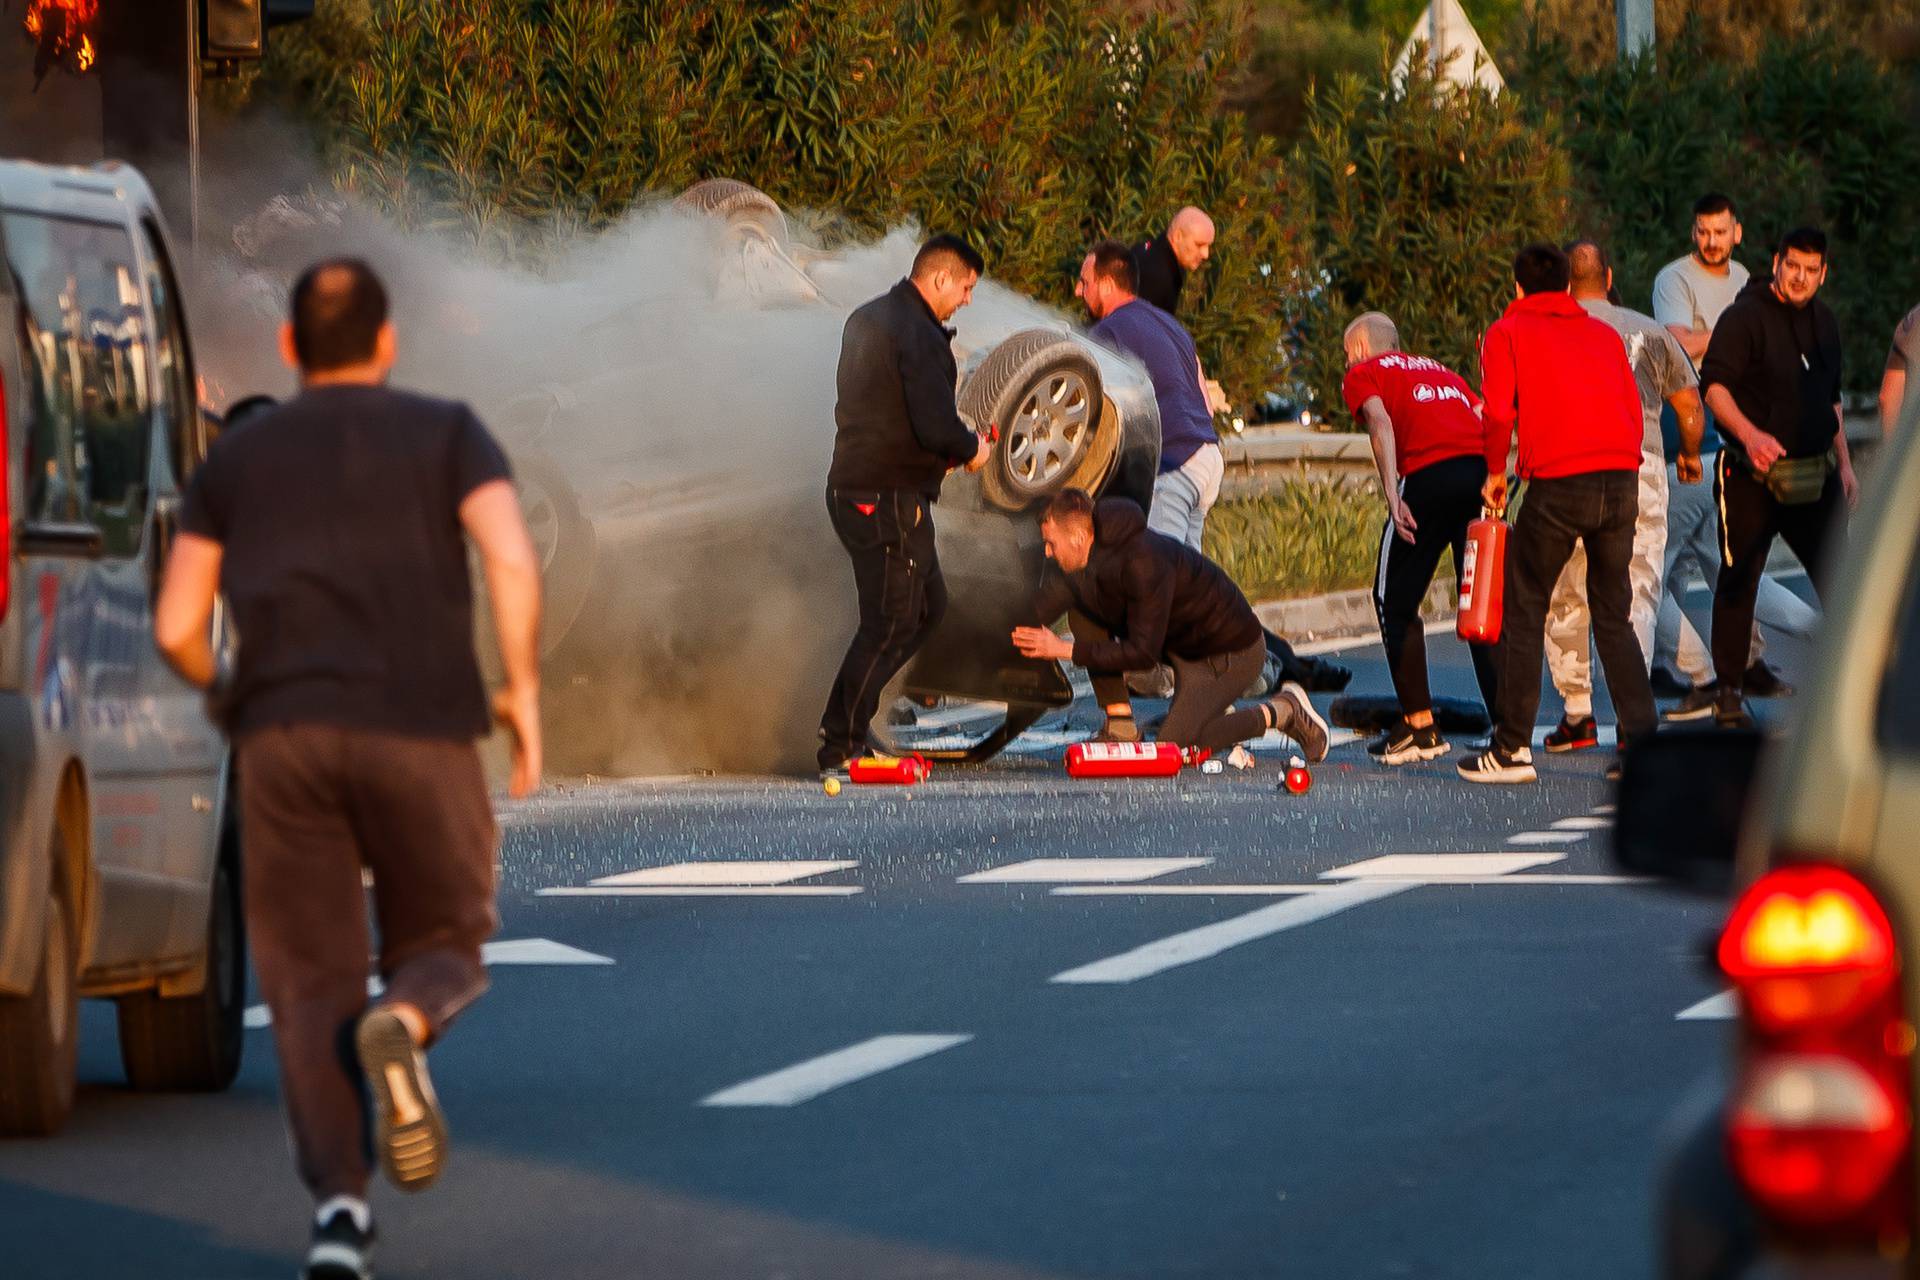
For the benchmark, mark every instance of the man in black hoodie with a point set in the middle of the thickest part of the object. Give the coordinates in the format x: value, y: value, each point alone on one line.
x: 1772, y: 380
x: 1139, y: 598
x: 898, y: 434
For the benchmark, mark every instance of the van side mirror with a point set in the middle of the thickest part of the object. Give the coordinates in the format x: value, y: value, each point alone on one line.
x: 1682, y: 799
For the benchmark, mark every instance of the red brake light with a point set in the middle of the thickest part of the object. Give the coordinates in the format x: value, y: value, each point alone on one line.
x: 1808, y: 946
x: 1815, y: 1136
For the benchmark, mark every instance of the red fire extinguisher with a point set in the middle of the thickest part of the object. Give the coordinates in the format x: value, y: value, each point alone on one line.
x: 898, y: 770
x: 1483, y: 580
x: 1123, y: 760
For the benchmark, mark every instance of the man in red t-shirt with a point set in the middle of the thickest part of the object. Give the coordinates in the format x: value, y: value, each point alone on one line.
x: 1429, y: 446
x: 1562, y: 378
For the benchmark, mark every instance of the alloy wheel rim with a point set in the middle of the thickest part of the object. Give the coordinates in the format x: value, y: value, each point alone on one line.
x: 1050, y: 430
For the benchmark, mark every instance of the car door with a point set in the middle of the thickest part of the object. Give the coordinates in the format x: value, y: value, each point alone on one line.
x: 88, y: 474
x: 186, y: 753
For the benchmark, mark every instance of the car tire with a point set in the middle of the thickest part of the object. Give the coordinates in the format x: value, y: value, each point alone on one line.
x: 40, y: 1031
x: 1041, y: 388
x: 736, y: 202
x: 192, y: 1044
x: 564, y: 543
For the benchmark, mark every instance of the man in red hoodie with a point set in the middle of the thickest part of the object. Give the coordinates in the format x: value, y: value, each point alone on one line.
x: 1562, y: 378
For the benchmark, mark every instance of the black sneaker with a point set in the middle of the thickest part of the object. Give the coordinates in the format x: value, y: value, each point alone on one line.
x: 410, y: 1134
x: 1762, y: 681
x: 1293, y: 715
x: 1573, y: 735
x: 1495, y: 765
x: 1404, y: 744
x: 1118, y: 729
x: 1697, y: 705
x: 1320, y: 676
x: 1668, y: 685
x: 342, y: 1247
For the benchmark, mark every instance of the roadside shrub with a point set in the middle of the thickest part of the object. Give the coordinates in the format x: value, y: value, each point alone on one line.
x: 1032, y: 134
x: 1807, y: 132
x: 1308, y: 536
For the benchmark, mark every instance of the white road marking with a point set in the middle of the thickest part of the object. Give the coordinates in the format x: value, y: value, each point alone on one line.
x: 1582, y: 824
x: 1713, y: 1008
x: 1210, y: 940
x: 702, y: 891
x: 1083, y: 870
x: 725, y: 873
x: 1603, y: 808
x: 807, y: 1080
x: 1188, y: 890
x: 1547, y: 837
x: 1421, y: 866
x: 532, y: 951
x: 537, y: 951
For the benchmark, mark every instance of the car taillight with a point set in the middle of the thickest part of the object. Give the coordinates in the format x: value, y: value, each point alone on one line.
x: 1820, y: 1125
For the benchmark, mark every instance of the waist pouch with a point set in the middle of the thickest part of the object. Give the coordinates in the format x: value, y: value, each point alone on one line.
x: 1794, y: 482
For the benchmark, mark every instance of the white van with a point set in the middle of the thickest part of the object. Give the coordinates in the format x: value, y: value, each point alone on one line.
x: 119, y: 871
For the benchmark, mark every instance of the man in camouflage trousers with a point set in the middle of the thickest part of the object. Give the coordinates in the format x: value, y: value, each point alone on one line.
x: 1663, y: 375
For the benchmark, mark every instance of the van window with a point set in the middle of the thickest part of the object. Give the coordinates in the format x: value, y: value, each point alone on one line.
x: 1900, y: 691
x: 179, y: 396
x: 90, y: 353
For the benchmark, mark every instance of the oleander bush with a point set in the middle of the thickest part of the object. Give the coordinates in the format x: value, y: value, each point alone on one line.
x: 1305, y: 537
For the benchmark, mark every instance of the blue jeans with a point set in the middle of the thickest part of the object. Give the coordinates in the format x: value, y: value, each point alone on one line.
x: 1182, y: 497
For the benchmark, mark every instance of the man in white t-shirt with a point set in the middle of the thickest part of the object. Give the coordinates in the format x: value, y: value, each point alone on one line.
x: 1688, y: 296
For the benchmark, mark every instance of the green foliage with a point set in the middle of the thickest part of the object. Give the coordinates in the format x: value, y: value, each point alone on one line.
x: 1032, y: 135
x: 1307, y: 537
x: 1810, y: 131
x: 1417, y: 196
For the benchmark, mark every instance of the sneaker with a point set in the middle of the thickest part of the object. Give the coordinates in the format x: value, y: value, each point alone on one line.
x: 342, y: 1247
x: 1762, y: 681
x: 1668, y: 685
x: 1293, y: 715
x: 1118, y: 729
x: 1573, y: 735
x: 1613, y: 771
x: 410, y: 1134
x: 1404, y: 744
x: 1495, y: 765
x: 1697, y: 705
x: 1732, y: 716
x: 1320, y: 676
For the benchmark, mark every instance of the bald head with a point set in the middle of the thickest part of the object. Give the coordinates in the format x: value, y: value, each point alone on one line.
x: 1190, y: 235
x: 339, y: 310
x: 1589, y: 273
x: 1370, y: 334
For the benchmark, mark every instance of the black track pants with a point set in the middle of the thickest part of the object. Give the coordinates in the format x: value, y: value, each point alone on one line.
x: 1444, y: 499
x: 889, y: 538
x: 1749, y: 520
x: 1599, y: 509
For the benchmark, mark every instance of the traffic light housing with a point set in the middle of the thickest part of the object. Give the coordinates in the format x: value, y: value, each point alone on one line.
x: 236, y: 30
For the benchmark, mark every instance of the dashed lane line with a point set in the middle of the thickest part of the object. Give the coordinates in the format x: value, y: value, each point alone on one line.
x: 804, y: 1081
x: 1714, y: 1008
x: 1210, y: 940
x: 1082, y: 870
x: 1547, y: 837
x: 1421, y: 866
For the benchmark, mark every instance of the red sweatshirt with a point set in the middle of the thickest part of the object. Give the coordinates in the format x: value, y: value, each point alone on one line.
x: 1563, y: 377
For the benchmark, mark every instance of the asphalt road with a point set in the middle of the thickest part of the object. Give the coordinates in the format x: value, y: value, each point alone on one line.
x: 1275, y: 1058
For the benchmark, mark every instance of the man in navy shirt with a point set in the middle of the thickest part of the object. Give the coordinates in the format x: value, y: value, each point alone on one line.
x: 1190, y: 460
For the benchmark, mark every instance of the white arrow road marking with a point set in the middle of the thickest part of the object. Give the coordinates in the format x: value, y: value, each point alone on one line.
x: 807, y: 1080
x: 1210, y: 940
x: 1420, y: 866
x: 1083, y: 870
x: 1713, y: 1008
x: 531, y: 951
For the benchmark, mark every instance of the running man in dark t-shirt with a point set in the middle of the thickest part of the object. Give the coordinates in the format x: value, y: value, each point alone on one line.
x: 337, y: 527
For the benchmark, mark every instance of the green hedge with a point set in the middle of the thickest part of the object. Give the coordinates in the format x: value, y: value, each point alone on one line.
x: 1033, y: 136
x: 1305, y: 538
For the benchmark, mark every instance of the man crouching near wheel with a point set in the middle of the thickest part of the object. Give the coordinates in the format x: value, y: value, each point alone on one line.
x: 1138, y: 598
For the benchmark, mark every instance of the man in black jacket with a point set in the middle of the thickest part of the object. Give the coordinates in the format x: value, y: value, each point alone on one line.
x: 1772, y: 379
x: 898, y: 434
x: 1139, y: 598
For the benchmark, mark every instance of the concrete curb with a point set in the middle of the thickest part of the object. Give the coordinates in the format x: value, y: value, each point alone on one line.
x: 1344, y: 614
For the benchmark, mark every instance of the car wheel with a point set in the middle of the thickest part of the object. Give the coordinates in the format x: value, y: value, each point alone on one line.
x: 1042, y: 389
x: 738, y: 203
x: 563, y: 541
x: 193, y: 1043
x: 40, y: 1031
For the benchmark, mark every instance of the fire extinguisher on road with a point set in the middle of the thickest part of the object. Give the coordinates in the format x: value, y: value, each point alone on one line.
x: 1483, y: 580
